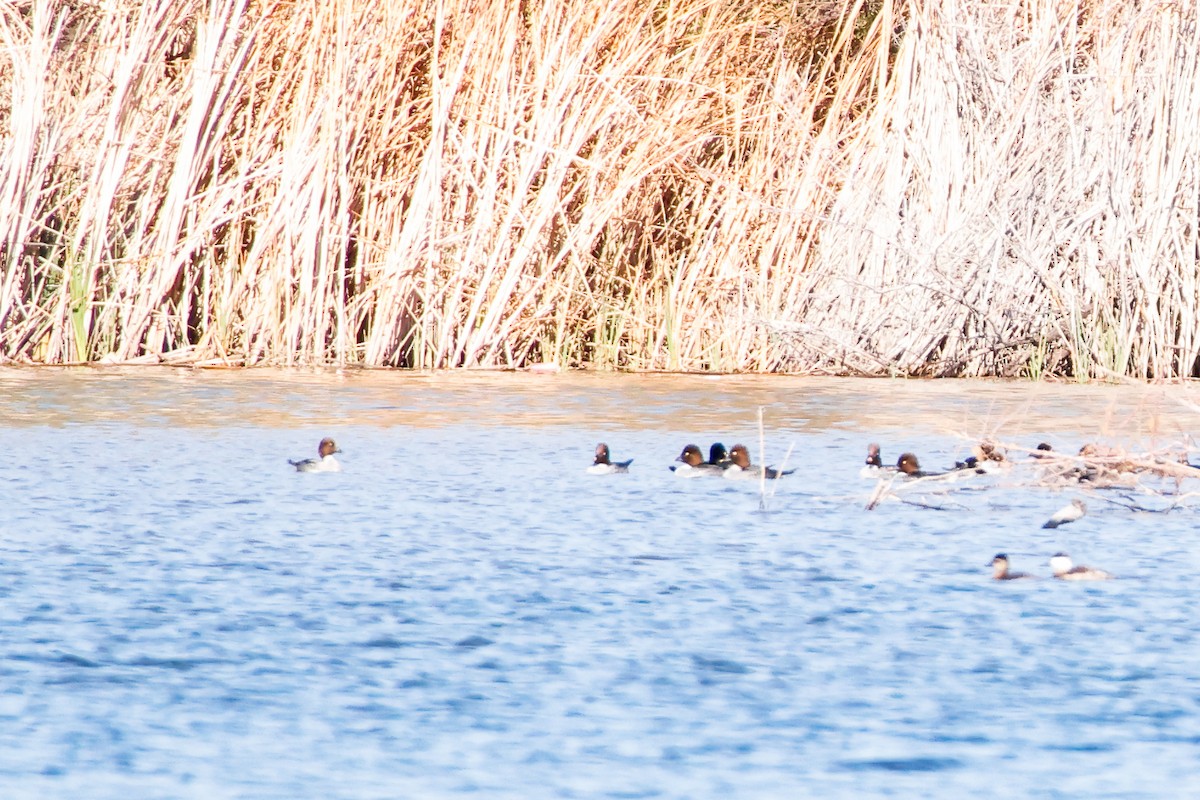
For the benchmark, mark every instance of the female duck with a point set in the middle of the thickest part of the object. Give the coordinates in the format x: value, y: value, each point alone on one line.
x: 693, y: 465
x: 988, y: 458
x: 909, y: 466
x: 741, y: 468
x: 1000, y: 570
x: 325, y: 462
x: 874, y: 467
x: 602, y: 465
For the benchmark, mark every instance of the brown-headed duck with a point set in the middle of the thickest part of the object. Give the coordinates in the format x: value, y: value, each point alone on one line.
x: 692, y: 464
x: 325, y: 462
x: 741, y: 468
x: 602, y: 465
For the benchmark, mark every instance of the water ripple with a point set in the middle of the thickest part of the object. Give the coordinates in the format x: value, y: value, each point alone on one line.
x: 185, y: 616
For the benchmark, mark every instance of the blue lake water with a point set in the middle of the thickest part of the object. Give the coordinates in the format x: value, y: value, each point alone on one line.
x: 462, y: 611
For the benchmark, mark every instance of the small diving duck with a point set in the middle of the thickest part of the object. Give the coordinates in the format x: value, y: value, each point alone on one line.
x: 1060, y: 468
x: 1068, y: 513
x: 1063, y: 569
x: 718, y: 456
x: 908, y: 465
x: 874, y: 466
x: 693, y: 465
x: 602, y: 465
x: 1000, y: 570
x: 969, y: 464
x: 325, y: 461
x: 741, y: 468
x: 988, y: 458
x: 1105, y: 466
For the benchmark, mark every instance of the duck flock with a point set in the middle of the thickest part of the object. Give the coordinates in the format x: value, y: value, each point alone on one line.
x: 733, y: 464
x: 1094, y: 468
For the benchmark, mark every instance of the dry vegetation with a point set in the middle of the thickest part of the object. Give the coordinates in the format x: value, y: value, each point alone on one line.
x: 884, y: 187
x: 1160, y: 480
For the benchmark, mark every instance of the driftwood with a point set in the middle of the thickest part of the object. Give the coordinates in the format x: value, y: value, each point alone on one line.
x: 1111, y: 475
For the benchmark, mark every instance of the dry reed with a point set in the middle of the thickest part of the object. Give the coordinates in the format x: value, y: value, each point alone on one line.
x: 865, y: 187
x: 1157, y: 479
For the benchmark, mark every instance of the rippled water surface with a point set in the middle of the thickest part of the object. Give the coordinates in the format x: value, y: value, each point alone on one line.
x: 463, y: 611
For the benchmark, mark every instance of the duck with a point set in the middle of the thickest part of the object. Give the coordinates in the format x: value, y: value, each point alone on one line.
x: 1063, y: 569
x: 1000, y: 570
x: 741, y: 468
x: 325, y: 462
x: 602, y: 465
x: 1105, y: 466
x: 968, y: 464
x: 1060, y: 468
x: 908, y: 465
x: 987, y: 458
x: 718, y: 456
x: 693, y: 465
x: 874, y: 466
x: 1068, y: 513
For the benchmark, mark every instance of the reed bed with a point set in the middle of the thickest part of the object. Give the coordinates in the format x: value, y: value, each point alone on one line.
x: 877, y: 187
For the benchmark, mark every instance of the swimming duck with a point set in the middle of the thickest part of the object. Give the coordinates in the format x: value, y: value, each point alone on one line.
x: 908, y: 465
x: 1063, y: 569
x: 984, y: 459
x: 603, y: 466
x: 988, y: 458
x: 325, y: 461
x: 968, y: 464
x: 874, y: 459
x: 1058, y: 468
x: 1000, y: 570
x: 718, y: 456
x: 1068, y: 513
x: 874, y: 467
x: 741, y: 468
x: 1105, y: 465
x: 692, y: 464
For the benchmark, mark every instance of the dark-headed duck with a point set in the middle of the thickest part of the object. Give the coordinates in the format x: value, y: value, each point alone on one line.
x: 908, y: 465
x: 985, y: 458
x: 1000, y: 570
x: 602, y: 465
x: 718, y: 456
x: 692, y: 465
x: 874, y: 466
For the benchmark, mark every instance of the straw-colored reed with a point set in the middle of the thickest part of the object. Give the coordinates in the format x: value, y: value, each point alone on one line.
x: 930, y: 187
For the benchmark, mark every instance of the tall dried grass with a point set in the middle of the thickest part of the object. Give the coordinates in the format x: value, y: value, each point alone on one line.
x: 852, y: 186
